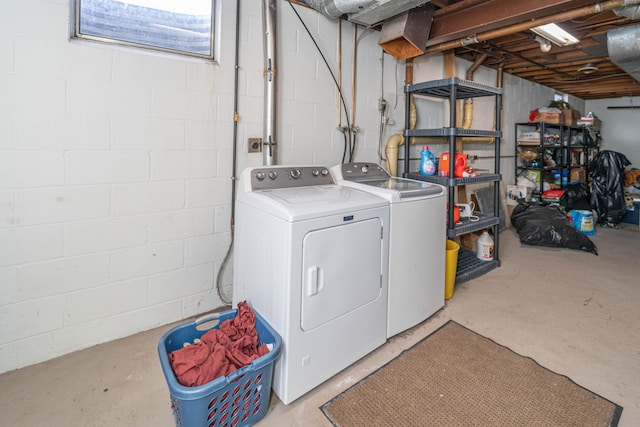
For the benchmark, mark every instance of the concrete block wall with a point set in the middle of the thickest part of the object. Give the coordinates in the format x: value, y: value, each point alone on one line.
x: 116, y: 165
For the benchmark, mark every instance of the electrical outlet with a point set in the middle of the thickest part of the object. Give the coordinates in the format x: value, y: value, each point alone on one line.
x: 254, y: 145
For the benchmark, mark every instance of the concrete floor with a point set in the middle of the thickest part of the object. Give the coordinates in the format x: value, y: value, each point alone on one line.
x: 573, y: 312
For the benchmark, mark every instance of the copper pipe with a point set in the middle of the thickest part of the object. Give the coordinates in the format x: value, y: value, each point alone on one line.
x: 478, y: 62
x: 524, y: 26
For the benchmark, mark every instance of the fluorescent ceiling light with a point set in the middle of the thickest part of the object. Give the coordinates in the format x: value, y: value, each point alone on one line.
x: 555, y: 34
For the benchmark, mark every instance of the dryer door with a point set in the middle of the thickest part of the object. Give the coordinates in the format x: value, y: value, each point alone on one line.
x: 342, y: 270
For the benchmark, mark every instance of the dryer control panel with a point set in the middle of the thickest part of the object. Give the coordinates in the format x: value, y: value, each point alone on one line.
x: 274, y: 177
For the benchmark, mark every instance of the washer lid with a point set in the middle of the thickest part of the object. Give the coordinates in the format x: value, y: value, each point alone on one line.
x: 405, y: 187
x: 312, y: 201
x: 375, y: 176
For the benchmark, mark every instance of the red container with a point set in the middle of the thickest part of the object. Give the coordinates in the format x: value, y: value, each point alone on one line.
x: 459, y: 165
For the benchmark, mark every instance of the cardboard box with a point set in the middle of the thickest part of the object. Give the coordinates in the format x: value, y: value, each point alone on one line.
x: 577, y: 175
x: 570, y: 117
x: 553, y: 118
x: 589, y: 121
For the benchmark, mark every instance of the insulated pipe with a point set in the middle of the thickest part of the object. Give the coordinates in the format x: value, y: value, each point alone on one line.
x: 524, y: 26
x: 391, y: 152
x: 269, y: 139
x: 467, y: 115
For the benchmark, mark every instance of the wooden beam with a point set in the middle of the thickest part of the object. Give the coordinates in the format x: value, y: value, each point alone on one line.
x: 493, y: 14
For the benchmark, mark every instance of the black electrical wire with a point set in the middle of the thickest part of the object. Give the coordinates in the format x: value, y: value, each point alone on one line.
x: 344, y: 149
x: 344, y: 104
x: 353, y: 148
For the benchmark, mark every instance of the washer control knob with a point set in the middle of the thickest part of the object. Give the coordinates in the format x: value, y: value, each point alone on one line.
x: 315, y: 172
x: 261, y: 176
x: 295, y: 173
x: 273, y: 174
x: 365, y: 169
x: 324, y: 172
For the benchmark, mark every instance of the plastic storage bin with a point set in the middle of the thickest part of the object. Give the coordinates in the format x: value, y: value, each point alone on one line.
x: 632, y: 216
x: 239, y: 399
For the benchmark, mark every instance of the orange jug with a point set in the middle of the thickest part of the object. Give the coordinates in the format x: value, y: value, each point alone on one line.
x: 460, y: 162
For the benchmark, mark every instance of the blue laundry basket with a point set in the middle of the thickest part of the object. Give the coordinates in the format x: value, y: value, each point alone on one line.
x: 239, y: 399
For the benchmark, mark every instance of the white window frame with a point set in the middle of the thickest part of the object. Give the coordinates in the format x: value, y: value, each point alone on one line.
x: 214, y: 36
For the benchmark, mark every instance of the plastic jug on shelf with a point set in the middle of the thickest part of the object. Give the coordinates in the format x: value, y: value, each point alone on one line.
x: 428, y: 162
x: 460, y: 165
x: 484, y: 250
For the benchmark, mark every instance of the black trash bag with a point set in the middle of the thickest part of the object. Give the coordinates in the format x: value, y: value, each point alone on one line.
x: 578, y: 196
x: 546, y: 225
x: 607, y: 186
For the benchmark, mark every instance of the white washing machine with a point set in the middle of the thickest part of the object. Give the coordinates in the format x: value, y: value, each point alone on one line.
x: 311, y: 257
x: 417, y: 241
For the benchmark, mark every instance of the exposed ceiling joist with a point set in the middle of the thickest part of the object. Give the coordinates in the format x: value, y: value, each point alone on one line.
x: 493, y: 14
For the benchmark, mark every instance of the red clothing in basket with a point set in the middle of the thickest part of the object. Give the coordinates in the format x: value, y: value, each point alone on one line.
x: 220, y: 351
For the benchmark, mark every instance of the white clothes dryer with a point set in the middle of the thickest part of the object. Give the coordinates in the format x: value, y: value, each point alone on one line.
x: 311, y: 257
x: 417, y: 241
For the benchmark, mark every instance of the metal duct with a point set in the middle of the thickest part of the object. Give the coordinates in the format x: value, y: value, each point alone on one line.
x: 337, y: 8
x: 623, y: 45
x: 631, y: 12
x: 363, y: 12
x: 269, y: 126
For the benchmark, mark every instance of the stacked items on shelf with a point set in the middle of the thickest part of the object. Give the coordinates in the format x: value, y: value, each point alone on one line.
x: 552, y: 155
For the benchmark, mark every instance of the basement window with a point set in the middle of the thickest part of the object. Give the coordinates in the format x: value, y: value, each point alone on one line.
x: 177, y: 26
x: 561, y: 97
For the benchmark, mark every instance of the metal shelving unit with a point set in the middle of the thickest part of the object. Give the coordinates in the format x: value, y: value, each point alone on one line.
x: 557, y: 138
x: 469, y: 266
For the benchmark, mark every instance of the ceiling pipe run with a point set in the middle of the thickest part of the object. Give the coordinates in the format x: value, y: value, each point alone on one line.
x: 525, y: 26
x: 269, y: 139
